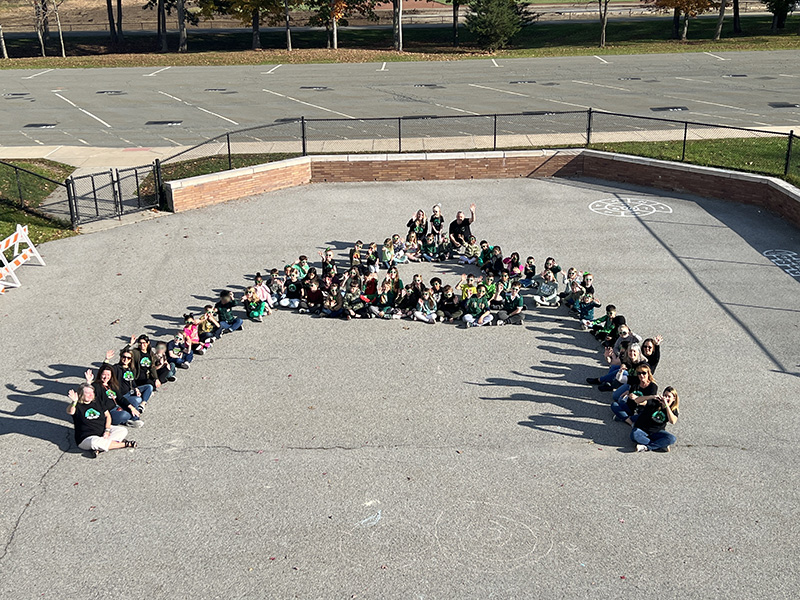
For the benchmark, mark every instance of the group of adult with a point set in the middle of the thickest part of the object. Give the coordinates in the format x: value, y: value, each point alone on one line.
x: 112, y: 400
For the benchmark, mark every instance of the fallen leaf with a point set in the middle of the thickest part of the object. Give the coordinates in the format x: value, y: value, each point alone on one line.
x: 92, y: 520
x: 74, y: 484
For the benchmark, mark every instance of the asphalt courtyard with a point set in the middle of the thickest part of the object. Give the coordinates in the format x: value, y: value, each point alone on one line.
x: 314, y: 458
x: 137, y: 108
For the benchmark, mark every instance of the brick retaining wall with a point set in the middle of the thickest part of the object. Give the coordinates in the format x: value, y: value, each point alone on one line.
x: 770, y: 193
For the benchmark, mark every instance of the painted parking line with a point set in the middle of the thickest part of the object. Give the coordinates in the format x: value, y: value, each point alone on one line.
x: 197, y: 107
x: 693, y: 80
x: 494, y: 63
x: 602, y: 60
x: 610, y: 87
x: 383, y: 68
x: 32, y: 138
x: 782, y: 75
x: 86, y: 112
x: 275, y: 68
x: 715, y: 56
x: 39, y: 73
x: 308, y: 104
x: 744, y: 110
x: 154, y: 73
x: 486, y: 87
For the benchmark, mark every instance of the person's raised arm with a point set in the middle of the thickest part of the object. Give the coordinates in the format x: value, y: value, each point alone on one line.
x: 73, y: 402
x: 472, y: 213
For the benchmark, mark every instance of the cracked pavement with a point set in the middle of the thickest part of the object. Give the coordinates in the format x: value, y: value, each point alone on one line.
x: 314, y: 458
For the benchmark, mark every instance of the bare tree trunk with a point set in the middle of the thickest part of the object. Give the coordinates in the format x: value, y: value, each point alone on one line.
x: 397, y: 24
x: 737, y: 22
x: 162, y: 27
x: 335, y: 32
x: 39, y: 21
x: 676, y: 24
x: 256, y: 22
x: 181, y: 26
x: 120, y: 35
x: 288, y: 29
x: 112, y: 28
x: 720, y: 20
x: 685, y: 27
x: 3, y: 43
x: 456, y: 5
x: 60, y: 33
x: 602, y: 7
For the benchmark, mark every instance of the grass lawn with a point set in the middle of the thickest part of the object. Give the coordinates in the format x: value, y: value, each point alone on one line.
x: 374, y: 45
x: 34, y: 190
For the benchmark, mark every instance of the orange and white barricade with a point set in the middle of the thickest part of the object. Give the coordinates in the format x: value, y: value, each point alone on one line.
x: 8, y: 266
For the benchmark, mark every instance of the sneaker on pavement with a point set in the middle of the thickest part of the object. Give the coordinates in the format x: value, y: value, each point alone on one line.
x: 592, y: 381
x: 605, y: 387
x: 642, y: 448
x: 135, y: 423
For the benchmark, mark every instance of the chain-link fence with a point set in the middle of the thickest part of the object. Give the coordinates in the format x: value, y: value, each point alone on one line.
x: 793, y: 161
x: 33, y: 192
x: 112, y: 193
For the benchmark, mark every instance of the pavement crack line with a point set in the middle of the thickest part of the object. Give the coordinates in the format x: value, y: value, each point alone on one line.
x: 42, y: 490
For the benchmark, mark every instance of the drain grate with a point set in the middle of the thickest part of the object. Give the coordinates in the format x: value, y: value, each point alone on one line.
x: 630, y: 79
x: 16, y: 94
x: 784, y: 105
x: 538, y: 112
x: 167, y: 123
x: 522, y: 81
x: 112, y: 92
x: 429, y: 85
x: 549, y: 84
x: 734, y: 75
x: 215, y: 89
x: 316, y: 88
x: 40, y: 125
x: 668, y: 108
x: 418, y: 117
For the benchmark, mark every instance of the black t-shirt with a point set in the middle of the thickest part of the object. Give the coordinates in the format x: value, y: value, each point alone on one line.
x: 293, y: 289
x: 89, y: 419
x: 420, y: 229
x: 653, y: 417
x: 126, y: 378
x: 225, y: 311
x: 650, y: 390
x: 461, y: 230
x: 107, y: 398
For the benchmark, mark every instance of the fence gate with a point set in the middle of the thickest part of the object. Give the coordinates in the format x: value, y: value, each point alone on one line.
x: 112, y: 193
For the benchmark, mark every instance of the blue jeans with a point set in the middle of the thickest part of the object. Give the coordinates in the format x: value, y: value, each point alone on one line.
x: 145, y: 390
x: 623, y: 389
x: 119, y: 416
x: 620, y: 408
x: 226, y: 326
x: 612, y: 372
x: 186, y: 357
x: 655, y: 441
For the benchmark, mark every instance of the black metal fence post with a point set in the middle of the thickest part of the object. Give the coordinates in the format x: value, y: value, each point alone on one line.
x: 685, y: 133
x: 159, y: 182
x: 303, y: 135
x: 19, y: 187
x: 399, y: 134
x: 230, y: 161
x: 788, y: 154
x: 589, y: 127
x: 73, y: 208
x: 494, y: 145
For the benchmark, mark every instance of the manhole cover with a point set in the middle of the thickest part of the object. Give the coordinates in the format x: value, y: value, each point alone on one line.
x: 167, y: 123
x: 668, y: 108
x: 40, y: 125
x: 785, y: 259
x: 784, y: 105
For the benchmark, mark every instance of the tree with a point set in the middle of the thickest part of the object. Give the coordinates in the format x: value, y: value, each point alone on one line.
x: 397, y: 24
x: 688, y: 8
x: 780, y: 10
x: 325, y: 9
x: 112, y: 27
x: 737, y: 21
x: 456, y: 6
x: 720, y: 20
x: 602, y: 7
x: 495, y: 22
x: 42, y: 11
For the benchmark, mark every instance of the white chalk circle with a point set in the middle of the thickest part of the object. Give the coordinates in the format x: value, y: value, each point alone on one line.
x: 492, y: 537
x: 628, y: 207
x: 785, y: 259
x: 384, y: 539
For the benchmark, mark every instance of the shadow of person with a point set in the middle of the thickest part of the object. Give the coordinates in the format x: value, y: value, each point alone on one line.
x: 60, y: 434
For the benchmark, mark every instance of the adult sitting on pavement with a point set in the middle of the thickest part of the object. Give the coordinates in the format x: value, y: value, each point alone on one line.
x: 93, y: 429
x: 459, y: 230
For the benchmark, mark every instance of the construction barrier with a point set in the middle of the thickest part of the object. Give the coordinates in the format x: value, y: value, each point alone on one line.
x: 8, y: 266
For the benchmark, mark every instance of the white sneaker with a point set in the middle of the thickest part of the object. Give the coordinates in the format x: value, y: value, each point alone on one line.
x: 642, y: 448
x: 135, y: 423
x: 500, y: 322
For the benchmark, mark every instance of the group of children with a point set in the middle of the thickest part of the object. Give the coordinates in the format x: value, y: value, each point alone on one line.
x: 119, y: 393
